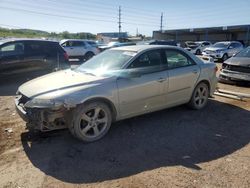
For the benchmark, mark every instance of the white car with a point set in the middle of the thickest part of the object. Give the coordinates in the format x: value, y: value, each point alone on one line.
x: 197, y: 47
x: 79, y: 49
x: 223, y: 50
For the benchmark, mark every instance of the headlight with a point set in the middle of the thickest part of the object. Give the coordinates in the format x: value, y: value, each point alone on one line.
x: 43, y: 103
x: 219, y: 51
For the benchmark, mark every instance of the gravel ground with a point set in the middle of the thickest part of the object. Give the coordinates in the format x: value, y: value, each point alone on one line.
x: 176, y: 147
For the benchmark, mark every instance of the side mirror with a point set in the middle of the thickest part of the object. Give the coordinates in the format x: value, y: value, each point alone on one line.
x: 230, y: 47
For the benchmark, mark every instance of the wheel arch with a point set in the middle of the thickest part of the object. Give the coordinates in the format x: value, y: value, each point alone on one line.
x: 206, y: 82
x: 105, y: 101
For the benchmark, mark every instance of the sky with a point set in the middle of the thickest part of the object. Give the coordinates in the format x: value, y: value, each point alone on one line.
x: 96, y: 16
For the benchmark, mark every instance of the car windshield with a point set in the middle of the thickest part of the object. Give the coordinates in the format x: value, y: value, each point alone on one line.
x: 221, y: 45
x: 106, y: 62
x: 244, y: 53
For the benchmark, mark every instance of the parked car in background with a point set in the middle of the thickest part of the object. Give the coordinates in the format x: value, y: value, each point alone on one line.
x: 79, y: 49
x: 236, y: 68
x: 158, y: 42
x: 117, y: 84
x: 115, y: 44
x: 92, y: 43
x: 223, y: 50
x: 197, y: 47
x: 24, y: 55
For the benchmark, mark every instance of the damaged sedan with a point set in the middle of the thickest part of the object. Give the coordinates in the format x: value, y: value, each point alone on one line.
x: 237, y: 68
x: 117, y: 84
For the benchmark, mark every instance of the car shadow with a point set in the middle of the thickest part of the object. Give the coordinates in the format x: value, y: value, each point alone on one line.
x: 176, y: 136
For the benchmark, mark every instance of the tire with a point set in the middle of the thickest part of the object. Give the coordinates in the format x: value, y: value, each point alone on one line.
x: 199, y: 97
x: 224, y: 57
x: 198, y: 52
x: 88, y: 56
x: 90, y: 122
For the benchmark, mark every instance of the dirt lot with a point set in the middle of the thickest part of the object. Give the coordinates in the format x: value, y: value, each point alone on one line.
x: 177, y: 147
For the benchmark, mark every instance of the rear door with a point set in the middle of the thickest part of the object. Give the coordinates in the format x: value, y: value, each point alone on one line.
x: 183, y: 74
x: 35, y: 56
x: 12, y: 58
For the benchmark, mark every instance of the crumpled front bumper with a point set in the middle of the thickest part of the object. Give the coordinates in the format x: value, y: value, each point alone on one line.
x: 40, y: 118
x: 228, y: 75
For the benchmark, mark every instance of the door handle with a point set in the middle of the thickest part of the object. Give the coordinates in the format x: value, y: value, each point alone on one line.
x: 161, y: 80
x: 195, y: 71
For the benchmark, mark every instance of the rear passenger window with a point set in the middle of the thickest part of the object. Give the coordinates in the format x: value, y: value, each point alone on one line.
x: 73, y: 44
x: 12, y: 49
x: 35, y: 48
x: 176, y: 59
x: 152, y: 58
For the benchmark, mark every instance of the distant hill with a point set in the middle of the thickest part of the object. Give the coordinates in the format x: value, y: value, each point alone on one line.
x: 30, y: 33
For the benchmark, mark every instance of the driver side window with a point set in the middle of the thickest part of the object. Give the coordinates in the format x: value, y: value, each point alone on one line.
x: 148, y: 59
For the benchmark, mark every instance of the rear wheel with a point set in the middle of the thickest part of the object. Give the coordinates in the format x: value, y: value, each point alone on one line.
x: 200, y: 96
x: 88, y: 56
x: 90, y: 122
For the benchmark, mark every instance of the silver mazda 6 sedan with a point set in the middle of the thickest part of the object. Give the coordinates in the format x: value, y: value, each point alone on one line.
x: 117, y: 84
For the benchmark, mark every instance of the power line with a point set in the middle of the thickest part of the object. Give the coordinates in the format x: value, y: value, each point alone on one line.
x: 68, y: 17
x: 90, y: 12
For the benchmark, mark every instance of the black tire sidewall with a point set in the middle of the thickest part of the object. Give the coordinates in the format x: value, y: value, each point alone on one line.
x: 198, y: 52
x: 223, y: 57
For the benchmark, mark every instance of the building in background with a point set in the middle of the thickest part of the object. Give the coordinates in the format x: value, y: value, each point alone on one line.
x: 112, y: 36
x: 214, y: 34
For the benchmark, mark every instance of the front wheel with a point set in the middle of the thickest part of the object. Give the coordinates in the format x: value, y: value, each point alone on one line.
x: 88, y: 56
x: 224, y: 57
x: 198, y: 52
x: 199, y: 98
x: 90, y: 122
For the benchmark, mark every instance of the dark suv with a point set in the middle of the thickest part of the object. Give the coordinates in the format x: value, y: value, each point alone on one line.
x: 25, y: 55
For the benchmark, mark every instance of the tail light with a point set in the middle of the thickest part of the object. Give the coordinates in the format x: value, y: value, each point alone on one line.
x: 65, y: 55
x: 215, y: 69
x: 98, y: 50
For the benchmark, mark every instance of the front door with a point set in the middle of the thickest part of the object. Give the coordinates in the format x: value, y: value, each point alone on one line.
x: 145, y: 93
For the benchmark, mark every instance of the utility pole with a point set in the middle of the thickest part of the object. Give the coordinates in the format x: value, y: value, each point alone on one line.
x: 119, y: 22
x: 161, y: 22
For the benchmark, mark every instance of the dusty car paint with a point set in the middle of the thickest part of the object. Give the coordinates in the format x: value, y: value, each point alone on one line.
x: 128, y: 97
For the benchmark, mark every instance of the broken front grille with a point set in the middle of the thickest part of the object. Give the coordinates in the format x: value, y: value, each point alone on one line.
x: 23, y: 99
x: 236, y: 68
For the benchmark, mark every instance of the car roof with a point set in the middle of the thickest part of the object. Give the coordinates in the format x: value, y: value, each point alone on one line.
x: 24, y: 39
x: 139, y: 48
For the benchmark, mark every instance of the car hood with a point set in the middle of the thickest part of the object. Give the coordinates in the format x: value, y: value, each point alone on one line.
x: 240, y: 61
x: 58, y: 81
